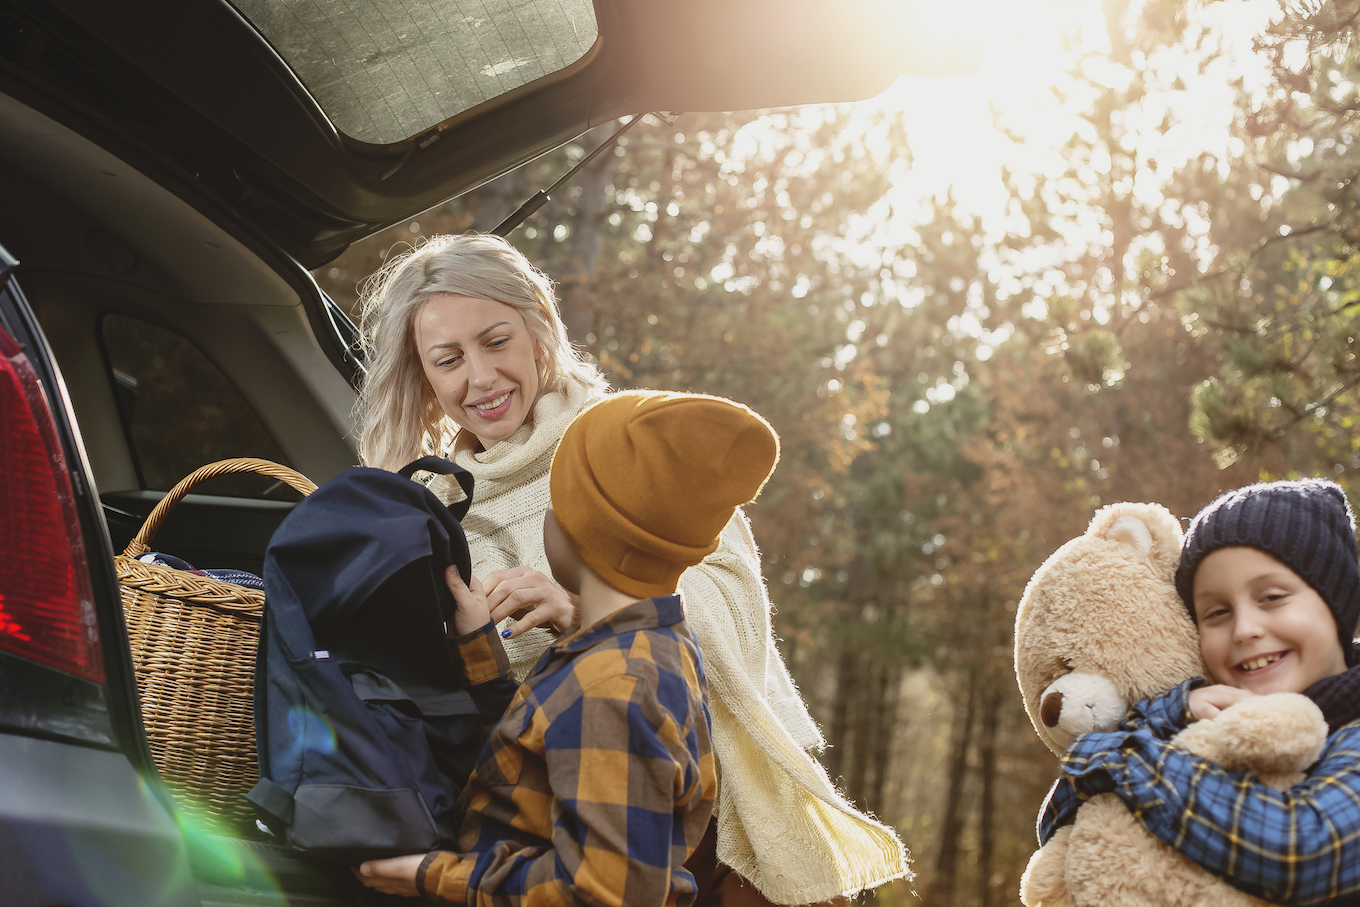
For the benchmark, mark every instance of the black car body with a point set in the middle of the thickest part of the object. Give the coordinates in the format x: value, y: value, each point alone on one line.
x: 169, y: 170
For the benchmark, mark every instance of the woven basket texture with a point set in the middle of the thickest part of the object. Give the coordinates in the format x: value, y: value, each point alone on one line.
x: 193, y: 641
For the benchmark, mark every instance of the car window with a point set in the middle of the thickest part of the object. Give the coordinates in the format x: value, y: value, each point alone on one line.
x: 385, y: 71
x: 180, y: 412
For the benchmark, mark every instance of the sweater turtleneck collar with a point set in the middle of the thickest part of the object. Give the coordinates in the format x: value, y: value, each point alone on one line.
x: 528, y: 451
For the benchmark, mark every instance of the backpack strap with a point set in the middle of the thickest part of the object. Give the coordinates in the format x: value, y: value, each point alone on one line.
x: 428, y: 702
x: 439, y: 465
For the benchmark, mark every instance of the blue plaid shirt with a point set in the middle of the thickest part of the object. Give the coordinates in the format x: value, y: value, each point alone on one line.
x: 1300, y: 846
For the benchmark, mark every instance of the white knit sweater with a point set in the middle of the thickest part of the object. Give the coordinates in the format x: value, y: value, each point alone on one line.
x: 781, y: 823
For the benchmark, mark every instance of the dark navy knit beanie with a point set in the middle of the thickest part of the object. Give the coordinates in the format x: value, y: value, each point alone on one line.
x: 1307, y: 525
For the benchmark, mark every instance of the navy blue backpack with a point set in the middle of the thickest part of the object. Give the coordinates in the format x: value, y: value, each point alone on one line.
x: 365, y: 728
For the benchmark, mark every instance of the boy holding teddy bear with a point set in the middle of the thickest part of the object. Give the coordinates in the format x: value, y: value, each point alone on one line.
x: 1269, y: 574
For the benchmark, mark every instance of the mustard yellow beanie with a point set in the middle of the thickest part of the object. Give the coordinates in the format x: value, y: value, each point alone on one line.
x: 644, y: 482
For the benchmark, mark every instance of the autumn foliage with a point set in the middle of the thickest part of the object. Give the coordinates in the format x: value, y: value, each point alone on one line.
x: 955, y: 405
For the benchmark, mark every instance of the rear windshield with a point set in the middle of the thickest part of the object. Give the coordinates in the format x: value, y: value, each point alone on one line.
x: 385, y: 70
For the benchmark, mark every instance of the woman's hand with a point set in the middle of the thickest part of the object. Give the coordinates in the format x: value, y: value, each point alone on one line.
x: 394, y: 876
x: 1207, y: 702
x: 532, y: 599
x: 473, y: 613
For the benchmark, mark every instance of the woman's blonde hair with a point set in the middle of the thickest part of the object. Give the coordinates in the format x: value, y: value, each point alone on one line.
x: 398, y: 415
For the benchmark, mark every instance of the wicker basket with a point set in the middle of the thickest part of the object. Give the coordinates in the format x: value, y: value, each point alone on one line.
x: 193, y: 644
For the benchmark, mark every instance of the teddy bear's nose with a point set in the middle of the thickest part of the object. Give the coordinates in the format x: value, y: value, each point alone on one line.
x: 1051, y: 709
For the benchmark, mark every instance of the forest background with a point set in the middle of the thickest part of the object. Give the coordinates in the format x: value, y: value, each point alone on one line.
x: 958, y: 390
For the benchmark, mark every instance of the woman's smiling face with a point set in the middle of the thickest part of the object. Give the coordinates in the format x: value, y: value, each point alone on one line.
x: 1261, y: 626
x: 481, y: 361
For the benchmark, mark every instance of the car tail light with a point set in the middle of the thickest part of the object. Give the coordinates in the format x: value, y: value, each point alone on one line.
x: 46, y: 605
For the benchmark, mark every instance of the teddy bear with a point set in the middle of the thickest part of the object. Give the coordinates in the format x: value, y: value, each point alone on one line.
x: 1100, y: 627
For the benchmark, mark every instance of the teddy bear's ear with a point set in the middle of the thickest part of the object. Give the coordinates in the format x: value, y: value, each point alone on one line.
x: 1148, y: 529
x: 1131, y: 531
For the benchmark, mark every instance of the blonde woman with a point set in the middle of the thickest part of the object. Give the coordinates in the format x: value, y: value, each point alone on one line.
x: 468, y: 357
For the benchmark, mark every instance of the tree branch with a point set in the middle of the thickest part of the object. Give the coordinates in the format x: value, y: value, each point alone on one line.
x: 1301, y: 177
x: 1311, y: 407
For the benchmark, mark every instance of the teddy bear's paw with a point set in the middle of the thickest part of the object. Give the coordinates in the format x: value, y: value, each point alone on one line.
x: 1198, y: 740
x: 1043, y: 883
x: 1279, y: 733
x: 1221, y: 894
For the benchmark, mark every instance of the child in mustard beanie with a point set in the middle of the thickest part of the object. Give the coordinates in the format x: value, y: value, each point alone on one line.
x: 598, y: 783
x: 644, y: 481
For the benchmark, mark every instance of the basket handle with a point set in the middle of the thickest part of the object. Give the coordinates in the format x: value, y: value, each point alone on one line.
x: 141, y: 542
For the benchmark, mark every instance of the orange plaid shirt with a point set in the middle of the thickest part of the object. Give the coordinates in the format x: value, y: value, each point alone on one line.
x: 599, y: 781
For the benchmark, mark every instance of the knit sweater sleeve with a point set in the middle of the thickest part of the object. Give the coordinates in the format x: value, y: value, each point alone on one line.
x: 788, y: 705
x: 782, y: 825
x: 729, y: 611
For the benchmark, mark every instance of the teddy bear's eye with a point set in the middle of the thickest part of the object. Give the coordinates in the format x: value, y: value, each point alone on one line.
x: 1067, y: 663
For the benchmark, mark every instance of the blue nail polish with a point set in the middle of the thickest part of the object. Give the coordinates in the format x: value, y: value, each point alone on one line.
x: 505, y: 634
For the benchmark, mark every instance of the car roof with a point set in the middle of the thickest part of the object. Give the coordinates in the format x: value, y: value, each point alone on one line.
x: 322, y: 122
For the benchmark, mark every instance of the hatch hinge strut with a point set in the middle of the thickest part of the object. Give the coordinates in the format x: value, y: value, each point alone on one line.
x: 541, y: 197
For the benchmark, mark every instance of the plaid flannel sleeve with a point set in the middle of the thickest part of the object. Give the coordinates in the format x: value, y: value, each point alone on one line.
x: 487, y: 669
x: 1059, y: 809
x: 1163, y: 717
x: 619, y: 795
x: 1299, y: 846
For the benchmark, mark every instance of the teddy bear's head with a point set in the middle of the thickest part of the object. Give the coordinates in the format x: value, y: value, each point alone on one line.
x: 1100, y: 625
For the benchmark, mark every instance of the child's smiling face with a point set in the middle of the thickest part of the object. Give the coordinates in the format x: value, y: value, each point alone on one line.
x: 1261, y: 627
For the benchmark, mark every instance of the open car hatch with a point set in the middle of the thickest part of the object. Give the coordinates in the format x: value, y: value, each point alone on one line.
x: 321, y: 122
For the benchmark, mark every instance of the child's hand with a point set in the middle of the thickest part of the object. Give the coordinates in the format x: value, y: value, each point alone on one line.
x: 473, y: 612
x: 1207, y: 702
x: 394, y: 876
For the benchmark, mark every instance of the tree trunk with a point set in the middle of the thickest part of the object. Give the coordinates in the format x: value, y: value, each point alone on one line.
x: 946, y: 863
x: 890, y: 680
x: 577, y: 301
x: 886, y: 726
x: 858, y: 707
x: 987, y: 767
x: 865, y: 723
x: 664, y: 196
x: 846, y: 671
